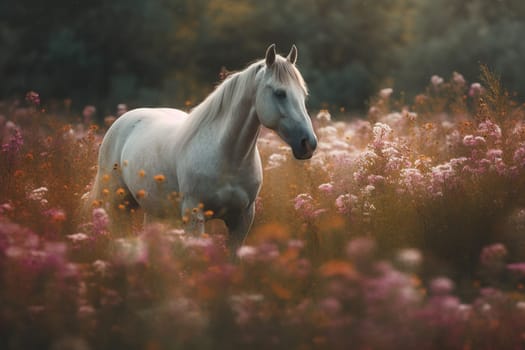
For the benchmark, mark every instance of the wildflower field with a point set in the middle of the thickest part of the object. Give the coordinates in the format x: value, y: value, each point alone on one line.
x: 406, y: 230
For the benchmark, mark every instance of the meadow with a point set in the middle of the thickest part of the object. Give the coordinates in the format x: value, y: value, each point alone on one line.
x: 406, y: 230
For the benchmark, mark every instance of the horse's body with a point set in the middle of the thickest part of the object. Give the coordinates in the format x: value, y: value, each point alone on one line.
x: 209, y: 156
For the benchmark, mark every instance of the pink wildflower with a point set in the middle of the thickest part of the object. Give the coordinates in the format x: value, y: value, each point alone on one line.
x: 360, y: 249
x: 381, y: 133
x: 458, y: 78
x: 376, y: 179
x: 326, y: 188
x: 33, y: 98
x: 475, y: 90
x: 519, y: 155
x: 411, y: 180
x: 330, y: 306
x: 100, y: 221
x: 305, y: 204
x: 518, y: 268
x: 441, y: 286
x: 490, y: 130
x: 493, y: 254
x: 473, y: 141
x: 14, y: 145
x: 345, y: 202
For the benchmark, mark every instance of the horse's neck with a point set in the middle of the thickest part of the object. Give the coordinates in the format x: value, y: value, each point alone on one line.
x: 226, y: 121
x: 237, y: 132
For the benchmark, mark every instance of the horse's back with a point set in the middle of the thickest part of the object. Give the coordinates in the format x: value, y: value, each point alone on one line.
x: 151, y: 115
x: 138, y: 126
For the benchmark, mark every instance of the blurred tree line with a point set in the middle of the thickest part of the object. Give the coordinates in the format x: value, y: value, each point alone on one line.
x: 169, y: 52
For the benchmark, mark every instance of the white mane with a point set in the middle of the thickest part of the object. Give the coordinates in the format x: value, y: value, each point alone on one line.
x: 236, y: 89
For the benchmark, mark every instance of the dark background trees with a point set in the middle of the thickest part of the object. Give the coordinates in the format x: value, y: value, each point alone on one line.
x: 169, y: 52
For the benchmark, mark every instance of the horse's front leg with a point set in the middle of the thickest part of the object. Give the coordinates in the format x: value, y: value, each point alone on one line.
x: 239, y: 224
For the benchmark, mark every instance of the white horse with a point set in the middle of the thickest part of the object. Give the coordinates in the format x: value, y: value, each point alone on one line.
x: 209, y: 156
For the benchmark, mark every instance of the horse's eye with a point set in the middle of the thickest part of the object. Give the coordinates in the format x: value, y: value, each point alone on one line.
x: 280, y: 93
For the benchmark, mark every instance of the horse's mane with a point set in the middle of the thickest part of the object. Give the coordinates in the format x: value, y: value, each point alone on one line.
x: 232, y: 93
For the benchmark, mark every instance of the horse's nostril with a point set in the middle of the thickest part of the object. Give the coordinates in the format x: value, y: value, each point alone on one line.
x: 304, y: 143
x: 306, y: 146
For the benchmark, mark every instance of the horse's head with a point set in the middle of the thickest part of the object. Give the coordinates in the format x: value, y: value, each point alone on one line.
x: 280, y: 102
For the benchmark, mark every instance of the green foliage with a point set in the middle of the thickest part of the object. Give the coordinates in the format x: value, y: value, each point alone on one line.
x: 170, y: 52
x: 458, y: 35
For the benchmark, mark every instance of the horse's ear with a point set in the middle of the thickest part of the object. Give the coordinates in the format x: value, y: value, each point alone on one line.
x: 292, y: 56
x: 270, y: 55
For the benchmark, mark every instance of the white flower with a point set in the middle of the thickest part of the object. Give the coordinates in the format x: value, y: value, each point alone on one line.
x: 386, y: 93
x: 38, y: 194
x: 324, y: 115
x: 78, y: 237
x: 436, y: 80
x: 100, y: 266
x: 246, y: 252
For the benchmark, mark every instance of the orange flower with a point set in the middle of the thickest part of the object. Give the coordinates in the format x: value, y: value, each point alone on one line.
x: 120, y: 191
x: 159, y: 178
x: 141, y: 193
x: 208, y: 213
x: 338, y: 268
x: 280, y: 291
x: 121, y: 206
x: 142, y: 173
x: 105, y: 178
x: 105, y: 191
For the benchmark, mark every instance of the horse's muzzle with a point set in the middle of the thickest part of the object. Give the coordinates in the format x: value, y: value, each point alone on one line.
x: 306, y: 148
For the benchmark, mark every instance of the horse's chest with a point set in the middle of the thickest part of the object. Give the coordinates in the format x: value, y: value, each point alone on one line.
x: 228, y: 193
